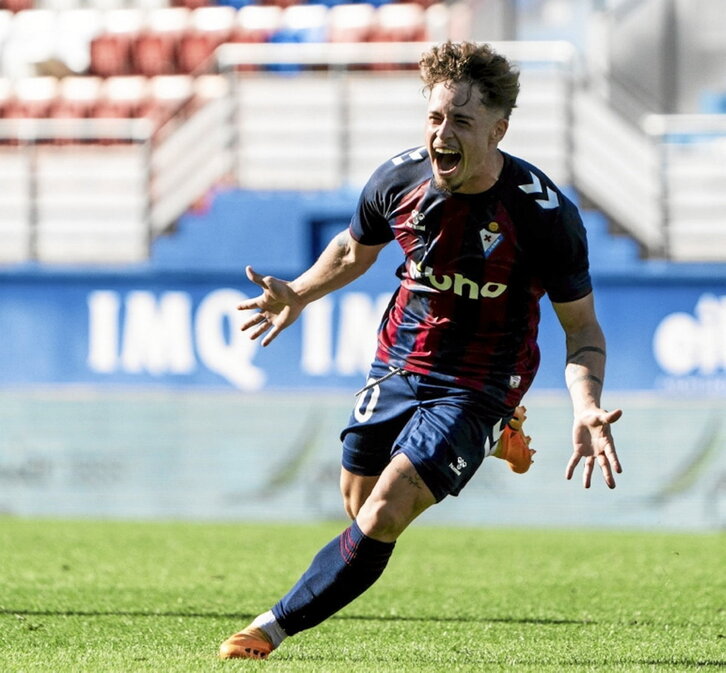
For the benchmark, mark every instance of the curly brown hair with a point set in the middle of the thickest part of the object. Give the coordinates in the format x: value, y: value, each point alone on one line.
x: 495, y: 77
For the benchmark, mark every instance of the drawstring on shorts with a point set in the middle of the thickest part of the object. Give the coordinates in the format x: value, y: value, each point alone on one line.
x: 385, y: 377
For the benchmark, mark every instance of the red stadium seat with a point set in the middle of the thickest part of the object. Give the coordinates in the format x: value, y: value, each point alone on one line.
x: 153, y: 52
x: 122, y: 97
x: 257, y: 23
x: 111, y: 50
x: 6, y: 94
x: 18, y: 5
x: 32, y: 98
x: 282, y: 4
x: 309, y: 22
x: 192, y: 4
x: 209, y: 27
x: 110, y: 55
x: 77, y: 97
x: 351, y: 22
x: 399, y: 22
x: 167, y: 94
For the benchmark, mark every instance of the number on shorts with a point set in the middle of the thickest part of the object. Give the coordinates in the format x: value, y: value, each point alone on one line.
x: 367, y: 403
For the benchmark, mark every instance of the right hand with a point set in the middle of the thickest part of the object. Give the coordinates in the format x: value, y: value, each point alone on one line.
x: 278, y: 307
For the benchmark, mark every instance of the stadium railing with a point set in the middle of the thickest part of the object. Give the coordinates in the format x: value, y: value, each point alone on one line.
x: 351, y: 106
x: 97, y: 191
x: 323, y: 115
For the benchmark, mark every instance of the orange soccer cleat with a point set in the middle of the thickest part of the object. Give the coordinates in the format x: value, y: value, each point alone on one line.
x: 249, y: 643
x: 513, y: 445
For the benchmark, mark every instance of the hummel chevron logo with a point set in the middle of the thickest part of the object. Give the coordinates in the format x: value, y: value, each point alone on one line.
x: 549, y: 200
x: 415, y: 155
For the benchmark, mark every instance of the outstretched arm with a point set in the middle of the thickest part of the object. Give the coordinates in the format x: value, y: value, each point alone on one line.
x: 281, y: 302
x: 584, y: 374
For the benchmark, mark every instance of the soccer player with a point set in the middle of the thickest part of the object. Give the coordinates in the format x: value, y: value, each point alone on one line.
x: 485, y: 236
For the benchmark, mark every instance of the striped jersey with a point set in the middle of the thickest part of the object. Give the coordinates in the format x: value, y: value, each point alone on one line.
x: 476, y: 265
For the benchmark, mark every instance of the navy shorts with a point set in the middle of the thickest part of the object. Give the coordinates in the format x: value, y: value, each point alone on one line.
x: 446, y: 432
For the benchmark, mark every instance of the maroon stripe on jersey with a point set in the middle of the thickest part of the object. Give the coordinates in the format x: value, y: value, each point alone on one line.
x: 408, y: 203
x: 405, y: 235
x: 483, y: 363
x: 447, y: 250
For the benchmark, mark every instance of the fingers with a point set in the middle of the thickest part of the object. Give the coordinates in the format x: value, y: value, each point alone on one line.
x: 254, y: 320
x: 254, y: 276
x: 261, y: 326
x: 606, y: 470
x: 571, y: 465
x: 255, y: 302
x: 608, y: 461
x: 587, y: 471
x: 271, y: 335
x: 612, y: 416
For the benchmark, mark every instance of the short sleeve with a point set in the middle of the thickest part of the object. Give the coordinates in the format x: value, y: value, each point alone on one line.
x: 564, y: 257
x: 369, y: 224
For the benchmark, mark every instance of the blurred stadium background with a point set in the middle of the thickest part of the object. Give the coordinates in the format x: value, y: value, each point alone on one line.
x: 148, y: 151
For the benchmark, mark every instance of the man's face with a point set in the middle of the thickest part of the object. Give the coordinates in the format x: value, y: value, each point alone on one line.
x: 462, y: 136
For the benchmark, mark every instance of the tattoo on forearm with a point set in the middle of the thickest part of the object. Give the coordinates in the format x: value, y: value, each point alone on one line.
x: 571, y: 357
x: 413, y: 480
x: 585, y: 377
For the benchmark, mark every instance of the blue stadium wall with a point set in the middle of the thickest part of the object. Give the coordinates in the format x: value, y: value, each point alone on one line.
x: 131, y: 393
x: 173, y: 322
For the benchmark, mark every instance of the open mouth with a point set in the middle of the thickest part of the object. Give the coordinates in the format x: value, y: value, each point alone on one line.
x: 446, y: 160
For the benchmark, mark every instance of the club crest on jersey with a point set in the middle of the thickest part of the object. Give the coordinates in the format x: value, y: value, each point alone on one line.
x: 416, y: 221
x: 490, y: 238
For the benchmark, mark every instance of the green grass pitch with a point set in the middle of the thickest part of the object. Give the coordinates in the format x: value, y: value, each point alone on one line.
x: 87, y: 596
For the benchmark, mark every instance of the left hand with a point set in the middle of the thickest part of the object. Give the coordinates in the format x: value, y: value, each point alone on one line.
x: 592, y: 440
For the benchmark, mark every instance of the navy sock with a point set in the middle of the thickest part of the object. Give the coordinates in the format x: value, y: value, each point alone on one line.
x: 339, y: 573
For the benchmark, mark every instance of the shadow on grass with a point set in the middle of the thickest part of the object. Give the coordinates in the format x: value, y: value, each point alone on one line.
x: 565, y: 664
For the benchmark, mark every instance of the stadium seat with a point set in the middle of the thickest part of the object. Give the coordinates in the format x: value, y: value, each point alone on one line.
x: 167, y: 93
x: 32, y: 97
x: 210, y: 87
x: 282, y: 4
x: 153, y: 54
x: 351, y: 22
x: 257, y: 23
x: 76, y: 100
x: 154, y: 50
x: 399, y: 22
x: 209, y: 27
x: 306, y: 23
x: 300, y: 23
x: 122, y: 97
x: 192, y: 4
x: 6, y: 92
x: 441, y: 21
x: 110, y: 51
x: 77, y: 97
x: 110, y: 55
x: 18, y: 5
